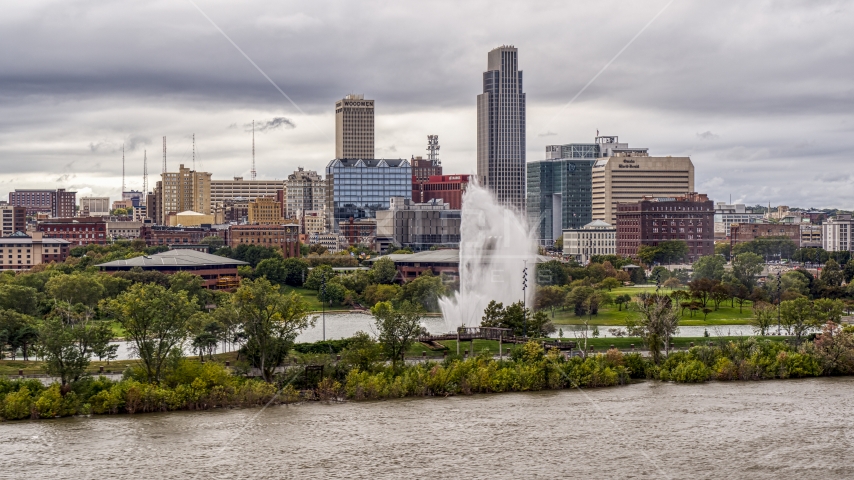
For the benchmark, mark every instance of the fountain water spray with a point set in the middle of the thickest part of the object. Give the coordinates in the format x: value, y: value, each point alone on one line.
x: 495, y: 246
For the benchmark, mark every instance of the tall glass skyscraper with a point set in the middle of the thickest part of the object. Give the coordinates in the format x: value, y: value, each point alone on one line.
x: 358, y: 188
x: 501, y: 129
x: 559, y: 196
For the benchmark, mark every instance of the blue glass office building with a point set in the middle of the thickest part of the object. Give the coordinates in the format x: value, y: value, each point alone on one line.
x: 357, y: 188
x: 560, y: 190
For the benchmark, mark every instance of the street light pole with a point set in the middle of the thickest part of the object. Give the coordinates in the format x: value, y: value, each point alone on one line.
x: 524, y: 297
x: 323, y: 303
x: 779, y: 301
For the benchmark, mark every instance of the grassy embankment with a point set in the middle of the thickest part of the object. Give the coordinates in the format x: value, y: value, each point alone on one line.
x: 34, y: 367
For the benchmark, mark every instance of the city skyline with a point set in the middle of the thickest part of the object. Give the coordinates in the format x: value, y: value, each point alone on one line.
x: 724, y: 94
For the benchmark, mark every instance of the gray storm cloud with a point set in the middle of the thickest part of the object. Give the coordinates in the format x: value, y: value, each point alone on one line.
x: 275, y: 123
x: 753, y: 91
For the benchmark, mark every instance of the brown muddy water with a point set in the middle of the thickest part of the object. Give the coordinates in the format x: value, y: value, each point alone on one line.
x: 772, y: 429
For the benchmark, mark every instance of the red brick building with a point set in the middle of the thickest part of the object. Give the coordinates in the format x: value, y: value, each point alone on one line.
x: 58, y: 202
x: 448, y: 188
x: 285, y: 237
x: 155, y: 235
x: 689, y: 218
x: 218, y: 273
x: 79, y: 231
x: 747, y: 232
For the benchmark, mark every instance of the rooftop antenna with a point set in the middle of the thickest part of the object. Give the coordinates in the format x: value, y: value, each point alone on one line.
x: 252, y: 172
x: 433, y: 149
x: 194, y: 152
x: 164, y: 154
x: 144, y: 176
x: 123, y: 169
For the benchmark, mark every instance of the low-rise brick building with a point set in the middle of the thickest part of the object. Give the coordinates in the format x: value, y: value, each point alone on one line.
x: 747, y: 232
x: 22, y: 252
x: 79, y: 231
x: 652, y: 220
x: 285, y: 237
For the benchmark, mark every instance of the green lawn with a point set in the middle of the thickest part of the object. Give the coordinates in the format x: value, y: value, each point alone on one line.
x: 310, y: 296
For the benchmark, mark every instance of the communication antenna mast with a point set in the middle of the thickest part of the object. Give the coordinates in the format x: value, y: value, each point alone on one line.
x: 144, y: 176
x: 433, y: 150
x: 252, y: 172
x: 194, y: 152
x: 164, y: 154
x: 123, y: 169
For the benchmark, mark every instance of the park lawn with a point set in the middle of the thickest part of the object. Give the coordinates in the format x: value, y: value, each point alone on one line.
x: 34, y: 367
x: 613, y: 316
x: 310, y: 297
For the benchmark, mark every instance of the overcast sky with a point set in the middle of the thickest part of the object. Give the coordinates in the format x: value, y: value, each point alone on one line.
x: 760, y: 94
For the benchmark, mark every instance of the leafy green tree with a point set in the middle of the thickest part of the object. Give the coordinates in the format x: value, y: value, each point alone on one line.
x: 710, y: 267
x: 622, y: 299
x: 334, y: 293
x: 659, y: 274
x: 381, y: 293
x: 362, y: 352
x: 76, y: 288
x: 832, y: 275
x: 746, y: 266
x: 764, y: 317
x: 798, y: 316
x: 357, y: 281
x: 792, y: 281
x: 317, y: 275
x: 383, y: 271
x: 551, y: 273
x: 214, y: 243
x: 493, y: 314
x: 397, y: 328
x: 22, y: 299
x: 113, y: 285
x: 283, y: 271
x: 271, y: 321
x: 155, y: 321
x: 19, y: 331
x: 848, y: 271
x: 67, y: 347
x: 723, y: 249
x: 828, y: 310
x: 658, y: 322
x: 252, y: 254
x: 577, y: 298
x: 549, y: 297
x: 192, y: 285
x: 559, y: 243
x: 424, y: 291
x: 610, y: 283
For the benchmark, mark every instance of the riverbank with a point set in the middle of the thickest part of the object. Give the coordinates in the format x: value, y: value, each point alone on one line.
x: 196, y: 386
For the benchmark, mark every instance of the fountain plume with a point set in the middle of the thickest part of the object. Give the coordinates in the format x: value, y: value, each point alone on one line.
x: 495, y: 246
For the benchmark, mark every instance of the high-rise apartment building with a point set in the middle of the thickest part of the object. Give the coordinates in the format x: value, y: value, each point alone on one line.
x: 306, y: 190
x: 59, y: 203
x: 13, y: 220
x: 626, y: 175
x: 357, y: 188
x: 181, y: 191
x: 239, y: 189
x: 501, y: 128
x: 354, y: 127
x: 836, y: 233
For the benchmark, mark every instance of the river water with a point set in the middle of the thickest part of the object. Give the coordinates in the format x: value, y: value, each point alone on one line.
x: 772, y: 429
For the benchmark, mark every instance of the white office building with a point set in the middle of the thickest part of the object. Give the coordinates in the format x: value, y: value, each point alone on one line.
x: 595, y: 238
